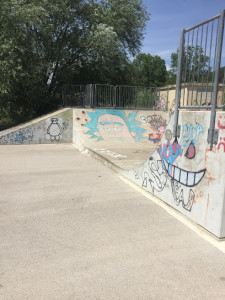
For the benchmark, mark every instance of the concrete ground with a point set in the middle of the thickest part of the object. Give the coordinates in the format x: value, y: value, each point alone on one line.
x: 70, y: 228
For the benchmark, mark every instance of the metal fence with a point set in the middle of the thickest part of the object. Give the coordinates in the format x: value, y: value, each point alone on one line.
x: 117, y: 97
x: 200, y: 78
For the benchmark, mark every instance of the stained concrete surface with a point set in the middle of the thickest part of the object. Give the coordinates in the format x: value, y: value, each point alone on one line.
x: 71, y: 229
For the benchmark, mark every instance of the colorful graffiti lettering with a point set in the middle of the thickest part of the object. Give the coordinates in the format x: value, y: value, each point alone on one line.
x: 190, y: 134
x: 112, y: 124
x: 157, y: 123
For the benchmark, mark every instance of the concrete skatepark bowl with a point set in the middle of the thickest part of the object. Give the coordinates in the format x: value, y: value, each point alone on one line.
x: 72, y: 229
x: 139, y: 145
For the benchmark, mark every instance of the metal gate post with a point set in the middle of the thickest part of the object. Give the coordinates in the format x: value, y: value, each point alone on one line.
x: 178, y: 84
x: 212, y: 132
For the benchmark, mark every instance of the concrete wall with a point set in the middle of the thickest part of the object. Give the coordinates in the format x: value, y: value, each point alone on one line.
x: 186, y: 174
x: 53, y: 128
x: 190, y: 95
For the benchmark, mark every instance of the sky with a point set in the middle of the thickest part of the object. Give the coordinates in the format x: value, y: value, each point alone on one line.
x: 167, y: 19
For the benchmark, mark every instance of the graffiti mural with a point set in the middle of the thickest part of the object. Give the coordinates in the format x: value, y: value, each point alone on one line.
x: 189, y: 138
x: 169, y: 153
x: 113, y: 124
x: 154, y: 120
x: 55, y: 130
x: 179, y: 197
x: 154, y: 176
x: 221, y: 126
x: 156, y: 173
x: 157, y: 123
x: 190, y: 134
x: 20, y: 136
x: 46, y: 130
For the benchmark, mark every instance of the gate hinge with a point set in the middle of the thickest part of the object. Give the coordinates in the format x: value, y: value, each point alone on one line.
x: 213, y: 133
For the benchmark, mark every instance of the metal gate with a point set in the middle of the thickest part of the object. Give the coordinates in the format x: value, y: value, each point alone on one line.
x: 198, y: 71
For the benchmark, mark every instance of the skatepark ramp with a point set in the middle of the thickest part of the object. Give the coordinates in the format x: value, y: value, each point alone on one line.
x: 182, y: 171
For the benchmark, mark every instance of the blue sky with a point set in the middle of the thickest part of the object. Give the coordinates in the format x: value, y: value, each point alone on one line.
x: 167, y: 19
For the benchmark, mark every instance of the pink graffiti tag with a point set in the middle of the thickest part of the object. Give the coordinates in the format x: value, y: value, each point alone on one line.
x: 220, y: 125
x: 222, y: 143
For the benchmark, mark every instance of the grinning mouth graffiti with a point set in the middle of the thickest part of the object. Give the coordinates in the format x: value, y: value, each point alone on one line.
x: 169, y: 153
x: 182, y: 176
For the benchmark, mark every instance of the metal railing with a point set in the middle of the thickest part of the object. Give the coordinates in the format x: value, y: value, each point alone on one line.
x: 117, y: 97
x: 199, y: 83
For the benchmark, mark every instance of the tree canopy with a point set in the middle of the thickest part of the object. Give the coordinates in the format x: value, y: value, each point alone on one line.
x: 45, y: 43
x: 148, y: 70
x: 195, y: 63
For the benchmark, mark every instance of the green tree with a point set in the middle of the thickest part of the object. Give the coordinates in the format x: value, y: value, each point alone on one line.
x: 195, y: 63
x: 46, y: 43
x: 149, y: 70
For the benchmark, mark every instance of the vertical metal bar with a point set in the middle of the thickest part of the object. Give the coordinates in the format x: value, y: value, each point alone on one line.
x: 190, y: 64
x: 210, y: 52
x: 204, y: 61
x: 185, y: 72
x: 216, y: 79
x: 215, y: 55
x: 195, y: 62
x: 199, y: 65
x: 178, y: 83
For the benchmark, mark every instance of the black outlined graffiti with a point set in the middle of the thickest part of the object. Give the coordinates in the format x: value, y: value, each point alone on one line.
x: 155, y: 121
x: 154, y: 176
x: 54, y: 130
x: 178, y: 195
x: 137, y: 175
x: 65, y: 124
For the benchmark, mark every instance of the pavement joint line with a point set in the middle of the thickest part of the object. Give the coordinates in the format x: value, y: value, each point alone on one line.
x: 219, y: 244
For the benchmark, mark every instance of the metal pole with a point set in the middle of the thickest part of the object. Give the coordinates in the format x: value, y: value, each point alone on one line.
x: 178, y: 83
x: 211, y: 138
